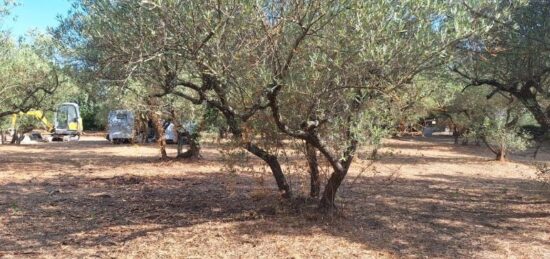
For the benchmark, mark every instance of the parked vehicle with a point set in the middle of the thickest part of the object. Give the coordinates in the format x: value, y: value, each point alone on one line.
x: 67, y: 123
x: 123, y: 127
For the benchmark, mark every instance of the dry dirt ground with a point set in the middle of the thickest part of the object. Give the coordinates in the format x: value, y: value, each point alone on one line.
x: 429, y: 198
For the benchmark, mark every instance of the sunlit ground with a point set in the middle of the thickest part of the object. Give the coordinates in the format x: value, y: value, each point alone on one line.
x: 428, y: 198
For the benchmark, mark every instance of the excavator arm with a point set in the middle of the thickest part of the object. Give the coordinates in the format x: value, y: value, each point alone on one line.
x: 39, y: 115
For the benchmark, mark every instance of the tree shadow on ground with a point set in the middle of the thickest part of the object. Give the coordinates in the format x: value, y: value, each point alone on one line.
x: 452, y: 153
x: 75, y: 159
x: 79, y: 211
x: 436, y: 216
x: 439, y: 216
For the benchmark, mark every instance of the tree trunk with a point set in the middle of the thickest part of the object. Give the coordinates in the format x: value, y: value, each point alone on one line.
x: 456, y: 134
x: 271, y: 160
x: 275, y: 167
x: 159, y: 133
x: 501, y: 154
x: 529, y: 100
x: 341, y: 168
x: 14, y: 137
x: 315, y: 182
x: 181, y: 137
x: 20, y: 138
x: 157, y: 126
x: 141, y: 128
x: 501, y: 157
x: 329, y: 195
x: 194, y: 146
x: 543, y: 120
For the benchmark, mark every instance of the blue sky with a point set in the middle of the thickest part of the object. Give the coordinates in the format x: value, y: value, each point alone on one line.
x: 35, y: 14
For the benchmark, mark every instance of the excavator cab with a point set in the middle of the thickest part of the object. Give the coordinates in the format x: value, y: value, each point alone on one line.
x: 67, y: 121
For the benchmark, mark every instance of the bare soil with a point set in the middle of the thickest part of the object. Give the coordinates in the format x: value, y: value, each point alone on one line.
x: 424, y: 198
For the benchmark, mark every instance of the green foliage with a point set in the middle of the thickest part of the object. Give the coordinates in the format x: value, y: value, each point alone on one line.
x: 375, y: 124
x: 27, y: 79
x: 497, y: 120
x: 512, y: 56
x: 91, y: 113
x: 213, y: 120
x: 498, y: 132
x: 354, y: 68
x: 27, y: 123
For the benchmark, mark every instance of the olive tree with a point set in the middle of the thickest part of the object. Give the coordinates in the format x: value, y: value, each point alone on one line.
x: 347, y: 73
x: 512, y: 56
x: 495, y: 122
x: 190, y: 49
x: 502, y: 135
x: 28, y: 80
x: 322, y: 72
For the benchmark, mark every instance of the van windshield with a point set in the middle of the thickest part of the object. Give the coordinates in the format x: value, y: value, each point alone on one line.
x: 122, y: 116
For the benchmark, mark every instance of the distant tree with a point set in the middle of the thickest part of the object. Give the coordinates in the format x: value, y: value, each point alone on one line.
x: 513, y: 56
x: 501, y: 134
x: 495, y: 122
x: 27, y: 80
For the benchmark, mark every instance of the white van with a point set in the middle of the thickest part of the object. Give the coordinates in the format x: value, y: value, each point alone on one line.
x: 122, y: 129
x: 121, y: 126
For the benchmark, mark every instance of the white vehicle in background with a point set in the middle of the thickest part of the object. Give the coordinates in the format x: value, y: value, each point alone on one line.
x: 121, y: 125
x: 123, y: 128
x: 170, y: 133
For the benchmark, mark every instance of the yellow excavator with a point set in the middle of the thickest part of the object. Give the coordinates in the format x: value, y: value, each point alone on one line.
x: 67, y: 122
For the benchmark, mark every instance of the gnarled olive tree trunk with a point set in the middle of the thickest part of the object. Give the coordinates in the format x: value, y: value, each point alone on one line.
x: 315, y: 181
x: 499, y: 151
x: 234, y: 121
x: 340, y: 170
x: 157, y: 127
x: 273, y: 162
x: 194, y: 145
x: 340, y: 163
